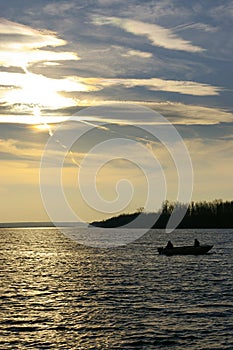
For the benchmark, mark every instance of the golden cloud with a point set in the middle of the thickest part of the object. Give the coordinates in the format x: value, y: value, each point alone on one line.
x: 178, y: 86
x: 157, y: 35
x: 22, y: 45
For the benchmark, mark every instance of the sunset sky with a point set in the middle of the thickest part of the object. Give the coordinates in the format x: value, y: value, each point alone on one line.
x: 57, y: 57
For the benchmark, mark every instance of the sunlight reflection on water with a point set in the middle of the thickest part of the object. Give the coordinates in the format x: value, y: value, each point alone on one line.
x: 57, y: 294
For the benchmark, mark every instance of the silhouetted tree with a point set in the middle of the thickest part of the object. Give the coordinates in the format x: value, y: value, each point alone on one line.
x: 203, y: 214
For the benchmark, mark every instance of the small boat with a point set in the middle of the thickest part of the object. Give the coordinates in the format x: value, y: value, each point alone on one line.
x: 185, y: 250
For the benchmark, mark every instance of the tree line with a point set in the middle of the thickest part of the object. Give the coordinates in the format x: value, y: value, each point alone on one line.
x: 202, y: 214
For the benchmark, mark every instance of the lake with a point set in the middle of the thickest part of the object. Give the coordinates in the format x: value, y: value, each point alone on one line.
x: 58, y: 294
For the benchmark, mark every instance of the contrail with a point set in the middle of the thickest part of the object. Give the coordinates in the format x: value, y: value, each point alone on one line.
x: 136, y: 138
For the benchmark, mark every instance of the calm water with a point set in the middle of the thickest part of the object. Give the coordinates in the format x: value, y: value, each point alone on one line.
x: 57, y: 294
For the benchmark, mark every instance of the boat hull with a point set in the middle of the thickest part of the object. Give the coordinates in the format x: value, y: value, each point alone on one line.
x: 186, y: 250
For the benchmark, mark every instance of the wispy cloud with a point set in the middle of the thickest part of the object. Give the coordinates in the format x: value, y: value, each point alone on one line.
x: 54, y: 9
x: 197, y: 25
x: 22, y: 45
x: 138, y: 53
x: 156, y: 84
x: 222, y: 12
x: 181, y: 113
x: 176, y: 113
x: 21, y: 149
x: 156, y: 34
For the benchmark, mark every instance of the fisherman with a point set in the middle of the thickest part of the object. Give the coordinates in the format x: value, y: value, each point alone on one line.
x: 169, y: 245
x: 196, y: 243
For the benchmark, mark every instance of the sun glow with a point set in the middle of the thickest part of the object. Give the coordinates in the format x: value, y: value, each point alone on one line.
x: 30, y: 88
x: 24, y: 47
x: 42, y: 127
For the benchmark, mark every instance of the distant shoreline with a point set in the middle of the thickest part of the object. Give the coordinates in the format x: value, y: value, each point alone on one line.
x: 100, y: 224
x: 40, y: 224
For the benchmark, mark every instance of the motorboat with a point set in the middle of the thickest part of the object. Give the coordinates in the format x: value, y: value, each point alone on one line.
x: 185, y: 250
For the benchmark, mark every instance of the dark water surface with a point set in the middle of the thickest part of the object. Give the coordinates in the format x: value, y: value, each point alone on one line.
x: 57, y: 294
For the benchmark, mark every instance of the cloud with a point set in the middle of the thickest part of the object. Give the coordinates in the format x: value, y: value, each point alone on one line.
x: 29, y: 88
x: 22, y: 45
x: 54, y: 9
x: 110, y: 2
x: 223, y: 12
x: 176, y: 113
x: 180, y: 113
x: 27, y: 36
x: 21, y: 149
x: 156, y: 84
x: 166, y: 11
x: 138, y: 53
x: 198, y: 26
x: 156, y: 34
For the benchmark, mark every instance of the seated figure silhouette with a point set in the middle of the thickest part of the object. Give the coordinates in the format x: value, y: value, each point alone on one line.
x: 169, y: 245
x: 196, y: 243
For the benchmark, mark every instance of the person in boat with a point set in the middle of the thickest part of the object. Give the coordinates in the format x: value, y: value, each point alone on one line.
x: 196, y: 243
x: 169, y: 245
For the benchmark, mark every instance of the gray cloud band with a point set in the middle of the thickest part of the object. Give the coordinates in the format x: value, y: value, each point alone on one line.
x: 155, y: 127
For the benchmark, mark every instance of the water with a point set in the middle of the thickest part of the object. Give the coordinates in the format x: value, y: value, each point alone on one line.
x: 57, y: 294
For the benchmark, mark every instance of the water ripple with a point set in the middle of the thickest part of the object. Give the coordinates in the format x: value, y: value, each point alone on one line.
x: 56, y: 294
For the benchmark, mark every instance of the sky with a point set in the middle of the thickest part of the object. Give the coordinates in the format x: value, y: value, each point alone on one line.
x: 59, y: 57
